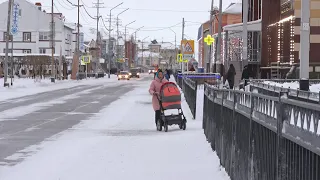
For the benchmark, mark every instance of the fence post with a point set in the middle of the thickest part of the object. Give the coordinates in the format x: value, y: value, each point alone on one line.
x: 279, y: 155
x: 234, y: 125
x: 250, y: 139
x: 195, y: 98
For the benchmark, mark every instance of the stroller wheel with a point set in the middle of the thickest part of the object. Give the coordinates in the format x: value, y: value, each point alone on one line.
x: 165, y: 127
x: 183, y: 126
x: 159, y: 127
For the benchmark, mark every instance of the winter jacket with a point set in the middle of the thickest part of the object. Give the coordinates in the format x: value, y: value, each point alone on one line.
x: 230, y: 76
x: 155, y: 87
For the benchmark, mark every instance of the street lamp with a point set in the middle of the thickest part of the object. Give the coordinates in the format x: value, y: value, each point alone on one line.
x: 125, y: 30
x: 142, y: 46
x: 135, y: 38
x: 135, y: 33
x: 175, y: 42
x: 117, y: 46
x: 110, y: 39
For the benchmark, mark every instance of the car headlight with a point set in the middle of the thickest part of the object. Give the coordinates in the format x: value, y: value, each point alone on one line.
x: 129, y: 73
x: 126, y: 76
x: 138, y: 74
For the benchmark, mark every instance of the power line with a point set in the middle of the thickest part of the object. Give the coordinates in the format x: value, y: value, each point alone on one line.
x: 164, y: 10
x: 88, y: 13
x: 64, y: 6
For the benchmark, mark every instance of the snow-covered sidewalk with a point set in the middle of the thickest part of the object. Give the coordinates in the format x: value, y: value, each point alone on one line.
x: 120, y: 143
x: 293, y: 85
x: 25, y: 86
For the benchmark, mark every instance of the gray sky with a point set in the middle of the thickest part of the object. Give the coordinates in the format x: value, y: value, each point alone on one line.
x: 156, y: 16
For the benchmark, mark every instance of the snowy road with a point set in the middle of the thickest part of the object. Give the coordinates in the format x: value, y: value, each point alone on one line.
x: 97, y: 136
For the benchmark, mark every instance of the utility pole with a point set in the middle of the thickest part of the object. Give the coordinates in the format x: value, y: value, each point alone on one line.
x: 182, y: 65
x: 304, y: 45
x: 210, y: 32
x: 76, y: 56
x: 52, y: 35
x: 219, y: 39
x: 109, y: 44
x: 97, y: 38
x: 7, y: 45
x: 245, y: 33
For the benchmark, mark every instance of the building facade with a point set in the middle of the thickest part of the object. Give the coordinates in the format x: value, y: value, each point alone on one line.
x: 33, y: 36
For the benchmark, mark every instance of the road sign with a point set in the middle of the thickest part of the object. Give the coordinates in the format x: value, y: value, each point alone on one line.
x: 86, y: 59
x: 187, y: 46
x: 209, y: 40
x: 179, y: 57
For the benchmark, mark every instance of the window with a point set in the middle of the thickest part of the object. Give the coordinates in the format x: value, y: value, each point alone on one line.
x: 42, y: 50
x: 9, y: 50
x: 27, y: 36
x: 26, y: 51
x: 44, y: 36
x: 5, y: 36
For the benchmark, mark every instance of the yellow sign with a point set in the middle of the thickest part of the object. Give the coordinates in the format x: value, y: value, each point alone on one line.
x: 179, y: 57
x: 187, y: 46
x: 209, y: 40
x: 86, y: 59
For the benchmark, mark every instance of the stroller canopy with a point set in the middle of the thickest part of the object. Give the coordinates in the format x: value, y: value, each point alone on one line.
x: 170, y: 96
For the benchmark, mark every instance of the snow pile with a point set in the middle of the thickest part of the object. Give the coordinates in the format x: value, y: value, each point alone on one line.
x: 293, y: 85
x: 25, y: 86
x: 121, y: 142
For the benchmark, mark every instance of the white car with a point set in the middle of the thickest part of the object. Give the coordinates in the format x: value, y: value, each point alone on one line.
x: 123, y: 75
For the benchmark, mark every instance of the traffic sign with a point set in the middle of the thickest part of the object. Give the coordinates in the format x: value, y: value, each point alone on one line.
x: 209, y: 40
x: 86, y: 59
x: 187, y: 46
x: 179, y: 57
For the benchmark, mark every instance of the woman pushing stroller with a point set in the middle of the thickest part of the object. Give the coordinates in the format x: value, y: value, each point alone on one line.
x: 154, y: 90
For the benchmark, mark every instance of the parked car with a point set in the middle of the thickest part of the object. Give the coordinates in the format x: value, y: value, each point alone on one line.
x: 123, y: 75
x: 151, y: 71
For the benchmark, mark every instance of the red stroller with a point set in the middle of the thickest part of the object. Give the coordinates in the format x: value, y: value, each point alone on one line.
x: 170, y: 98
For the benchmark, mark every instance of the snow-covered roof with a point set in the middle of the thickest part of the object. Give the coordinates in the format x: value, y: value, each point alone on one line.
x: 149, y: 54
x: 234, y: 8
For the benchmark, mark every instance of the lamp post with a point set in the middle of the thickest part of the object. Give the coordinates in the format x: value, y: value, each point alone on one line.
x: 109, y: 44
x: 125, y: 30
x: 142, y: 47
x: 125, y: 37
x: 175, y: 43
x: 135, y: 39
x: 117, y: 46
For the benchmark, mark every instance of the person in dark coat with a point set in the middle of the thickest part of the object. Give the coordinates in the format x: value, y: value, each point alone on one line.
x: 245, y: 75
x: 230, y: 76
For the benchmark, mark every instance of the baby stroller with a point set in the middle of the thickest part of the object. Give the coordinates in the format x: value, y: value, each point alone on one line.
x: 170, y: 98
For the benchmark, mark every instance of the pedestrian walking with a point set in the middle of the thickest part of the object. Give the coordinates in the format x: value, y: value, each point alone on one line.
x: 230, y: 76
x: 154, y: 90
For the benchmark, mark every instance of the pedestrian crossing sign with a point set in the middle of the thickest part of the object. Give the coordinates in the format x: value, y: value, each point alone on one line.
x: 187, y: 46
x: 86, y: 59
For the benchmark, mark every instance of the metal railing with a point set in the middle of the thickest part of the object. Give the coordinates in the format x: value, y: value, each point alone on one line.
x: 263, y: 137
x: 190, y: 94
x: 274, y: 90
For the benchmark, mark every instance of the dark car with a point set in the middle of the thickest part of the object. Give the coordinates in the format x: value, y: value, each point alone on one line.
x: 123, y: 75
x: 134, y: 72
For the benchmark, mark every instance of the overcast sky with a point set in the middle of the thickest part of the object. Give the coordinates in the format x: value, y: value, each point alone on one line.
x: 155, y: 16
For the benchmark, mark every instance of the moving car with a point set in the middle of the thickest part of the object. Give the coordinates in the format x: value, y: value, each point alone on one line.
x: 134, y: 72
x: 123, y: 75
x: 152, y: 71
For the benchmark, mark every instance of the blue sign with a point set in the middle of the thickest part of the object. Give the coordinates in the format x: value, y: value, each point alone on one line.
x: 15, y: 19
x: 81, y: 42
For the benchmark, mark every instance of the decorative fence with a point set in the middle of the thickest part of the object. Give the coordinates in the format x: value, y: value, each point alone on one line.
x: 263, y: 137
x: 189, y: 88
x: 273, y: 90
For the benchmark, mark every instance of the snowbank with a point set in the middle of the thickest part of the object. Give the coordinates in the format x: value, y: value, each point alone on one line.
x: 293, y: 85
x: 25, y: 86
x: 119, y: 143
